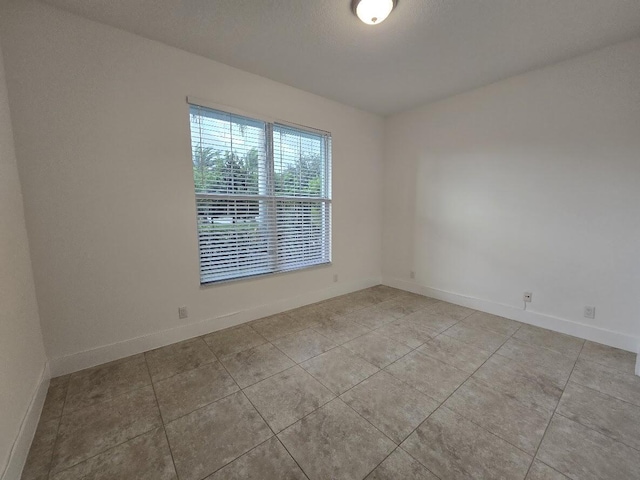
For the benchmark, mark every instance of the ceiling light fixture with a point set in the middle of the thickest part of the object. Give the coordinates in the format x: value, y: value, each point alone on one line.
x: 373, y: 12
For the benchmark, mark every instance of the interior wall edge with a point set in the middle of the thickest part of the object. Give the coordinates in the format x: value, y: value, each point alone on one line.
x: 611, y: 338
x: 24, y: 438
x: 106, y: 353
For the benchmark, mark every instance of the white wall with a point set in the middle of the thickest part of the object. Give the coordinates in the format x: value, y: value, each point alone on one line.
x: 529, y: 184
x: 22, y: 360
x: 102, y: 133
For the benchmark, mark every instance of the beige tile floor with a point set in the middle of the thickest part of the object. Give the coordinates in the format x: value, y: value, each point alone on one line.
x: 378, y: 384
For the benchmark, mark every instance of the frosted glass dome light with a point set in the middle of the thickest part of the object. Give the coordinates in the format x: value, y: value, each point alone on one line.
x: 373, y: 12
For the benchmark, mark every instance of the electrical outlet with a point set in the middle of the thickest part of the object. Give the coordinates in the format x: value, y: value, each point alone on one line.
x: 526, y: 296
x: 589, y: 311
x: 182, y: 312
x: 335, y: 278
x: 412, y: 274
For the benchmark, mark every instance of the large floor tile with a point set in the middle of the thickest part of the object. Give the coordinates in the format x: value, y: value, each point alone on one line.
x: 94, y: 429
x: 494, y: 323
x: 303, y: 345
x: 609, y: 356
x: 435, y: 322
x: 476, y: 337
x: 408, y: 332
x: 340, y: 330
x: 515, y: 380
x: 400, y: 466
x: 561, y: 343
x: 398, y: 307
x: 146, y: 457
x: 377, y: 349
x: 251, y: 366
x: 269, y: 460
x: 209, y: 438
x: 500, y: 414
x: 371, y: 317
x: 582, y: 453
x: 41, y: 453
x: 382, y: 293
x: 187, y: 391
x: 456, y: 353
x: 450, y: 310
x: 392, y: 406
x: 309, y: 315
x: 415, y: 302
x: 363, y: 298
x: 103, y: 382
x: 177, y: 358
x: 540, y: 360
x: 455, y: 448
x: 608, y: 415
x: 344, y: 304
x: 287, y: 397
x: 428, y: 375
x: 624, y: 386
x: 234, y: 340
x: 279, y: 325
x: 540, y: 471
x: 335, y: 442
x: 339, y: 369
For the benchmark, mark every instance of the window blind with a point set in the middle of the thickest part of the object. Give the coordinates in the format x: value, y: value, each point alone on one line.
x: 263, y: 198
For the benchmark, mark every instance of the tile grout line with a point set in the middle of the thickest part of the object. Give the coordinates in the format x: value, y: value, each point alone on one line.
x: 398, y: 446
x: 535, y: 456
x: 274, y: 435
x: 338, y: 396
x: 273, y: 431
x: 108, y: 450
x: 202, y: 364
x: 559, y: 414
x: 602, y: 393
x: 215, y: 401
x: 49, y: 473
x: 164, y: 430
x: 258, y: 412
x: 199, y: 408
x: 290, y: 454
x: 392, y: 452
x: 450, y: 395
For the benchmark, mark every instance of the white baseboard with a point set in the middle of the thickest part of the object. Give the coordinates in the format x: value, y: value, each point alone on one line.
x: 22, y: 443
x: 106, y: 353
x: 589, y: 332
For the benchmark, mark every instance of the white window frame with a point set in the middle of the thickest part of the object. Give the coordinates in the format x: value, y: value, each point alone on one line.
x: 271, y: 195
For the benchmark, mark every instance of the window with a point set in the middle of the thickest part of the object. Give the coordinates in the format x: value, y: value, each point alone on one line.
x: 263, y: 195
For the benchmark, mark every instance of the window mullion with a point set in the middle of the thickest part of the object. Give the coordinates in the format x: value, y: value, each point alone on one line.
x: 272, y: 220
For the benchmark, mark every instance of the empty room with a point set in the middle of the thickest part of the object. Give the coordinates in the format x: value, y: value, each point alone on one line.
x: 319, y: 240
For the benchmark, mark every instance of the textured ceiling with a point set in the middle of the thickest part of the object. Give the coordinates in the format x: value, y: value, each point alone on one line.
x: 425, y: 50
